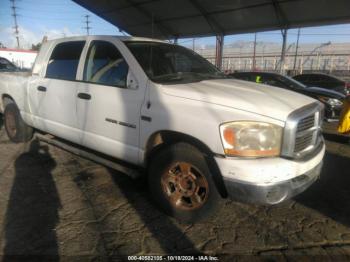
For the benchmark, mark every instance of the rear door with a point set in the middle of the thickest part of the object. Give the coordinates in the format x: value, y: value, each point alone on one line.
x: 109, y: 102
x: 53, y: 96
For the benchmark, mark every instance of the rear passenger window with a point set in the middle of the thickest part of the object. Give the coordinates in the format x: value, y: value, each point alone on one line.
x: 105, y: 65
x: 301, y: 77
x: 64, y: 60
x: 314, y: 78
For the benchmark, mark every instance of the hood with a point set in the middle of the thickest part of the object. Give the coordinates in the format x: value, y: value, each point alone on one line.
x: 325, y: 92
x: 260, y: 99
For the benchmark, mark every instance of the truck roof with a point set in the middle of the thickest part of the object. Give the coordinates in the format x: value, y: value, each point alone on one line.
x: 121, y: 38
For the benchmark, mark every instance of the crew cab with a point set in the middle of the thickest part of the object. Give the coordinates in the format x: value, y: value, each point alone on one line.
x: 199, y: 135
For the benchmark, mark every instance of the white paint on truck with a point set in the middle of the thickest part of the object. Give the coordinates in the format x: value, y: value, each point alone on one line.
x: 119, y: 122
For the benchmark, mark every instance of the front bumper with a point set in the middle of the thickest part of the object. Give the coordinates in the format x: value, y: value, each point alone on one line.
x: 276, y: 179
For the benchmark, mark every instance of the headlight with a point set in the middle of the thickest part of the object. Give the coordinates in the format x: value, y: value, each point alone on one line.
x: 251, y: 139
x: 330, y: 101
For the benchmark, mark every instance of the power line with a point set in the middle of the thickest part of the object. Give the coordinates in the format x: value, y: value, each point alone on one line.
x: 46, y: 3
x: 51, y: 18
x: 87, y: 22
x: 49, y: 10
x: 14, y: 14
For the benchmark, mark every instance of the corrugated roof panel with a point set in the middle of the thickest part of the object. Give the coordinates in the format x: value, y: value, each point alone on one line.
x: 191, y: 18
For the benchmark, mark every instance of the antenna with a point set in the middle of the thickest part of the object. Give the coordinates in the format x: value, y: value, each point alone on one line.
x: 14, y: 14
x: 87, y: 22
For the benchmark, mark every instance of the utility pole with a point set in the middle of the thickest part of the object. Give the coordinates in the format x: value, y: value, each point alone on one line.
x: 14, y: 14
x: 193, y: 43
x: 254, y: 53
x: 296, y: 51
x: 87, y: 22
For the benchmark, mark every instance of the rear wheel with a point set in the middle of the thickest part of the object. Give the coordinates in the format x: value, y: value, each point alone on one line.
x: 181, y: 183
x: 16, y: 129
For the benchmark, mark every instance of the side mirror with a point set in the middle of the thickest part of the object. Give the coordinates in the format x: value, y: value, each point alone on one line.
x: 132, y: 82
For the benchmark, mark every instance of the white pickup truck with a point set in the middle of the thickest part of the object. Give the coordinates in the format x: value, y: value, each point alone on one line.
x: 199, y: 135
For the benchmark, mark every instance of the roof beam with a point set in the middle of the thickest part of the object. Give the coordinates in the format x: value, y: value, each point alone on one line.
x: 217, y: 29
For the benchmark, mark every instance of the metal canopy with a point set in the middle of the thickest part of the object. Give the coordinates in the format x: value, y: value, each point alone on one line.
x: 167, y: 19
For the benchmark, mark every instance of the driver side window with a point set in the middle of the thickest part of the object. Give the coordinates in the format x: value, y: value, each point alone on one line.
x: 105, y: 65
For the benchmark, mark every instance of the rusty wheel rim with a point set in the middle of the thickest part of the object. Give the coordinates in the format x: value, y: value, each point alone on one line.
x: 185, y: 186
x: 11, y: 127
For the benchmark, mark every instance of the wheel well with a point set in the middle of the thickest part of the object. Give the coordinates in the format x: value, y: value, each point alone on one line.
x: 6, y: 99
x: 165, y: 138
x: 161, y: 139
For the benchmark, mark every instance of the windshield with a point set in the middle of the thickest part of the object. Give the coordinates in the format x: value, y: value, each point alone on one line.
x: 290, y: 82
x: 168, y: 64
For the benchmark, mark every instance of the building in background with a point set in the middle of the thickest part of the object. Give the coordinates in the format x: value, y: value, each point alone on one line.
x: 21, y: 58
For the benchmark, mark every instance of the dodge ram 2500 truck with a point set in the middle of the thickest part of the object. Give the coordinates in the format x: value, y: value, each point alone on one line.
x: 199, y: 135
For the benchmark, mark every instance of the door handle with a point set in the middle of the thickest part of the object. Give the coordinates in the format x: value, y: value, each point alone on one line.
x: 84, y: 96
x: 41, y: 88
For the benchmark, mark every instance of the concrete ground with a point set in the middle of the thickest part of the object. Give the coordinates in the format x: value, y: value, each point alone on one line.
x: 64, y: 208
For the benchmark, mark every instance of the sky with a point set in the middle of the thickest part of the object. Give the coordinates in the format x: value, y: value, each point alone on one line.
x: 59, y: 18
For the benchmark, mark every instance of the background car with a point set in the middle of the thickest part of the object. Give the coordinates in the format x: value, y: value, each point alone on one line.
x: 324, y: 81
x: 331, y: 99
x: 7, y: 66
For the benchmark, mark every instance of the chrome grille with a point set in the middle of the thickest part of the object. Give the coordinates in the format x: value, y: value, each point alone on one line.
x: 303, y: 142
x: 302, y: 132
x: 303, y: 137
x: 306, y: 123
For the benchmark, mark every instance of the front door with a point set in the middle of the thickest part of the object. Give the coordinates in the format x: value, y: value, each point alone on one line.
x: 108, y: 108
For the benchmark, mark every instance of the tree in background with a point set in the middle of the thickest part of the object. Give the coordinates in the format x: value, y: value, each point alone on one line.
x: 36, y: 47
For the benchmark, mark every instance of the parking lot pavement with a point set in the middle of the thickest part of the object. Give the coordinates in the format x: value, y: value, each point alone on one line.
x: 56, y: 204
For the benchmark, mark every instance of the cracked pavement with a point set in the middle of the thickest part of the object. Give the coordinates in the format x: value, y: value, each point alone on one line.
x: 60, y: 206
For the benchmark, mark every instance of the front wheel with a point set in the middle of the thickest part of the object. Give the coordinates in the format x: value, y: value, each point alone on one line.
x: 181, y: 183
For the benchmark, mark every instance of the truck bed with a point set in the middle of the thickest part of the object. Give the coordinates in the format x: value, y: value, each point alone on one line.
x: 12, y: 84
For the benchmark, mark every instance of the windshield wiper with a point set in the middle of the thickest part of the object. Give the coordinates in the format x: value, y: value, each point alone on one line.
x: 168, y: 77
x: 212, y: 76
x: 187, y: 76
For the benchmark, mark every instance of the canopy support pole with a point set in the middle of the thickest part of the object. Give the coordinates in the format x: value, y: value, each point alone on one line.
x: 219, y: 51
x: 254, y: 54
x: 283, y: 52
x: 296, y: 52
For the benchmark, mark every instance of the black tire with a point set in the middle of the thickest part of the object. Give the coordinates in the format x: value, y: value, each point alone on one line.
x: 165, y: 166
x: 16, y: 129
